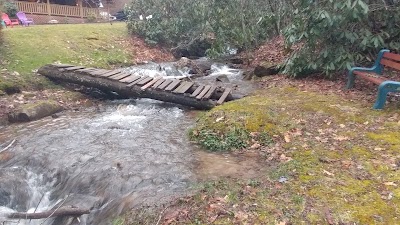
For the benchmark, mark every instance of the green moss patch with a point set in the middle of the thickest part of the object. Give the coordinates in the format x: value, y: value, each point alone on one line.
x: 341, y: 162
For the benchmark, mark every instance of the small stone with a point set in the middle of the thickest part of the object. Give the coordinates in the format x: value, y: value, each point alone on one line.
x: 222, y: 78
x: 283, y: 179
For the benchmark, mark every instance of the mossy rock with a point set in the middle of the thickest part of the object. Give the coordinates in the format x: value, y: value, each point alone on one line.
x: 34, y: 111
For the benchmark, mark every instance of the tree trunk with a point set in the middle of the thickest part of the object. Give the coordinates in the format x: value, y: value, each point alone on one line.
x: 63, y: 211
x: 109, y: 85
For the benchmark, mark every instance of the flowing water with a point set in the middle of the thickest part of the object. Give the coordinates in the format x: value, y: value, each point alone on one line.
x: 109, y: 158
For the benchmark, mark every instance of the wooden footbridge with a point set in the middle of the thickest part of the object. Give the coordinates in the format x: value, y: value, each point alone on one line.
x: 129, y: 85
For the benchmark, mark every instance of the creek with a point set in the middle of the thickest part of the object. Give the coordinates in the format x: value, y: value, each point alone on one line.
x: 110, y: 158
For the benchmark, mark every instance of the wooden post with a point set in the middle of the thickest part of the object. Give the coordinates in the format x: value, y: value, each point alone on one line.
x: 48, y: 8
x: 80, y: 8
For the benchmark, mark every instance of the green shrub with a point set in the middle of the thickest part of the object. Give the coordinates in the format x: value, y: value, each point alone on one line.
x: 236, y: 139
x: 335, y: 35
x: 229, y: 23
x: 10, y: 8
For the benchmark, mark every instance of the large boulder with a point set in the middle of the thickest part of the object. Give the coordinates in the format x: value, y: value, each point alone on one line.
x: 194, y: 49
x: 34, y: 111
x: 266, y: 70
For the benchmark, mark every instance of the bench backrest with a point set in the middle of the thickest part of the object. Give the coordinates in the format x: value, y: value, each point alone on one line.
x: 391, y: 60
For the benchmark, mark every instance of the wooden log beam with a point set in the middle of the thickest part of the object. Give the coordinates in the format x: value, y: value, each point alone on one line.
x: 107, y: 85
x: 63, y: 211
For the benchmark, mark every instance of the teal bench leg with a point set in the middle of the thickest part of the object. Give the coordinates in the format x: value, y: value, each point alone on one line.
x: 350, y: 80
x: 383, y: 90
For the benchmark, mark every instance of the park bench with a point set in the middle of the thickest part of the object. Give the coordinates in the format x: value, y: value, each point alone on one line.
x: 375, y: 75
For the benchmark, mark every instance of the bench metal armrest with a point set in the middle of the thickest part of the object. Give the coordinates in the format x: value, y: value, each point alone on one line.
x: 376, y: 68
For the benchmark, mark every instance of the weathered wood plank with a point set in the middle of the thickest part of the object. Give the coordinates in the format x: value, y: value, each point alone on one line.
x: 74, y: 68
x: 197, y: 91
x: 86, y: 69
x: 130, y: 79
x: 172, y: 85
x: 99, y: 72
x: 209, y: 93
x: 150, y: 83
x: 145, y: 81
x: 158, y: 83
x: 119, y: 76
x: 224, y: 95
x: 113, y: 72
x: 137, y: 81
x: 183, y: 87
x: 202, y: 93
x: 164, y: 84
x: 62, y: 65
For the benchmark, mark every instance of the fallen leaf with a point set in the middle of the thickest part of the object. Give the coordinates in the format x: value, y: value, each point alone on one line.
x: 287, y: 138
x: 341, y: 138
x: 390, y: 184
x: 255, y: 146
x: 219, y: 119
x: 328, y: 173
x: 342, y: 125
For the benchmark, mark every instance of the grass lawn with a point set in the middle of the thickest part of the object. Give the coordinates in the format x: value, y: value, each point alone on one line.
x: 100, y: 45
x: 330, y: 160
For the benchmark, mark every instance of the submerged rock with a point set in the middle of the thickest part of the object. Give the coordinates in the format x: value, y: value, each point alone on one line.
x: 34, y: 111
x: 222, y: 78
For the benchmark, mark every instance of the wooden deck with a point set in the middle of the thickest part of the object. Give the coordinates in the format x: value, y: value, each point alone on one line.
x: 57, y: 10
x: 189, y: 92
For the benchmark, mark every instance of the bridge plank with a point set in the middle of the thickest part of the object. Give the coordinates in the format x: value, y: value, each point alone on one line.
x: 113, y: 72
x: 145, y: 81
x: 99, y: 72
x: 86, y: 69
x: 165, y: 84
x: 74, y: 68
x: 224, y: 96
x: 172, y: 85
x: 209, y: 93
x: 150, y: 83
x: 197, y: 91
x: 183, y: 87
x: 137, y: 81
x: 158, y: 83
x: 62, y: 65
x: 202, y: 93
x: 130, y: 79
x: 120, y: 76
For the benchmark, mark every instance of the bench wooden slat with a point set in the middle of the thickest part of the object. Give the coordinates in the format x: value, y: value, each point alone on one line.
x: 374, y: 78
x: 392, y: 56
x: 391, y: 64
x: 224, y: 96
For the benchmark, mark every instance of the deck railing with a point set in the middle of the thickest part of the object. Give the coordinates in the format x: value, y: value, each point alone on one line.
x: 57, y: 10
